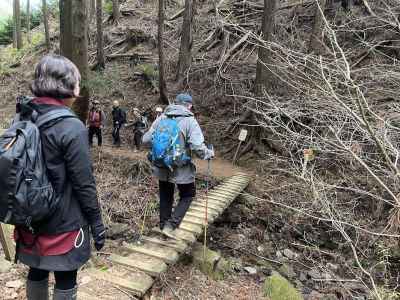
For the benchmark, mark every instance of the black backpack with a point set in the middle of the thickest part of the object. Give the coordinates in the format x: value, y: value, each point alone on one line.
x: 27, y: 196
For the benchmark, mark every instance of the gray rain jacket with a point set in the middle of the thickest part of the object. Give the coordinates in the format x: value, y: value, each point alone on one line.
x: 194, y: 140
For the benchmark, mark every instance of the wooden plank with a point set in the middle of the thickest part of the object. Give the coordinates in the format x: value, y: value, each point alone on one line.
x: 167, y: 255
x: 211, y: 204
x: 180, y: 234
x: 150, y: 265
x: 202, y: 210
x: 84, y: 296
x: 199, y: 215
x: 193, y: 228
x: 177, y: 245
x: 6, y: 240
x: 136, y: 283
x: 195, y: 220
x: 231, y: 195
x: 200, y: 206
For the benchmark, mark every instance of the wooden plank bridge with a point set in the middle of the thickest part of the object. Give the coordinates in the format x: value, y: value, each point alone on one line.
x: 142, y: 262
x: 133, y: 273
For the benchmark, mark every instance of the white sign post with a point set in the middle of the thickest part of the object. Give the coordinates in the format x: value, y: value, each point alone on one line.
x: 242, y: 138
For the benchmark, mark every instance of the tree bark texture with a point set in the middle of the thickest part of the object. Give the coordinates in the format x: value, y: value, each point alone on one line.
x: 93, y: 8
x: 116, y: 11
x: 28, y: 20
x: 46, y: 24
x: 316, y: 40
x: 185, y: 52
x: 14, y: 26
x: 17, y: 23
x: 161, y: 79
x: 100, y: 47
x: 264, y: 76
x: 66, y: 43
x: 80, y: 53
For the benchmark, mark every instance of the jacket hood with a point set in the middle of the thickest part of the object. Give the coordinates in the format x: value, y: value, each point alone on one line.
x: 178, y: 110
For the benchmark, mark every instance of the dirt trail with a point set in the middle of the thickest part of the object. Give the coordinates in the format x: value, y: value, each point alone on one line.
x: 219, y: 168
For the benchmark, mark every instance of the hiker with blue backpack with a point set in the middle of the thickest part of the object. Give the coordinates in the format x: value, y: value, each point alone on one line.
x: 174, y: 136
x: 47, y: 186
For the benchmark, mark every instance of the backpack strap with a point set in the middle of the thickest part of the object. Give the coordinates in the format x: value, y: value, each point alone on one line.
x: 53, y: 115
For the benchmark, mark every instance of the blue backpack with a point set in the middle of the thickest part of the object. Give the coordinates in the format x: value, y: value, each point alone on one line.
x: 168, y: 145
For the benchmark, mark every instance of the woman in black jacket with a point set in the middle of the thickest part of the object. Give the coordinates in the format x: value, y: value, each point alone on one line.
x: 61, y: 244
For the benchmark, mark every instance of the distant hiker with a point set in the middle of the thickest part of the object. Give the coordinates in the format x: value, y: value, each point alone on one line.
x: 56, y: 216
x: 140, y: 124
x: 174, y: 136
x: 119, y: 119
x: 96, y: 122
x: 159, y: 111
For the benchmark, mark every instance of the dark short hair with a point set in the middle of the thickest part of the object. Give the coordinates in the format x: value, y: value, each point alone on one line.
x: 55, y: 76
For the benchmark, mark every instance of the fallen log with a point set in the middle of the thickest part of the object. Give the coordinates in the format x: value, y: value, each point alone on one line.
x: 177, y: 15
x: 127, y: 55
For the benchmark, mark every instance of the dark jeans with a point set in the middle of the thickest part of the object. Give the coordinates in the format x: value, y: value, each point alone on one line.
x: 95, y: 131
x: 186, y: 194
x: 64, y: 280
x: 115, y: 135
x: 138, y: 138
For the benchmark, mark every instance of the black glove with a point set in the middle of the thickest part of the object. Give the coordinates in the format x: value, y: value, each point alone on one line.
x: 99, y: 235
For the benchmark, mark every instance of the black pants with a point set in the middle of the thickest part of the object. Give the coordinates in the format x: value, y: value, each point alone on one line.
x: 138, y: 138
x: 64, y: 280
x: 115, y: 135
x: 186, y: 194
x: 95, y: 131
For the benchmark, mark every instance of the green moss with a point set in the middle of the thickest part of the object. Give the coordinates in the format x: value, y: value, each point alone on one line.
x: 278, y: 288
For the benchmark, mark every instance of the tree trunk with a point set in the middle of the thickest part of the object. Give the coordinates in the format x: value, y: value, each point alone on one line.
x: 46, y: 24
x: 100, y: 48
x: 66, y: 43
x: 264, y: 76
x: 161, y: 79
x: 80, y: 21
x: 92, y: 9
x: 316, y: 40
x: 185, y: 52
x: 18, y: 24
x: 14, y: 26
x: 116, y: 11
x: 28, y: 21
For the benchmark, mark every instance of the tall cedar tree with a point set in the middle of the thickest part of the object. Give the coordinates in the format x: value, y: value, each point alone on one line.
x: 316, y: 42
x: 46, y: 24
x: 74, y: 45
x: 161, y: 79
x: 116, y: 11
x: 28, y: 20
x: 264, y: 77
x: 185, y: 52
x: 101, y: 64
x: 17, y: 24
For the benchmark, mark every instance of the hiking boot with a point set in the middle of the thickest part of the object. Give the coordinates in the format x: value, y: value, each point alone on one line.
x: 169, y: 231
x: 71, y: 294
x: 37, y: 290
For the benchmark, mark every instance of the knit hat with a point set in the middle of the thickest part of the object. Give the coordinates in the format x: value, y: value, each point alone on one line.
x: 184, y: 98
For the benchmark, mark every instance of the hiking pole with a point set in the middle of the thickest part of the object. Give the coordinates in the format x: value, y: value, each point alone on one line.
x: 208, y: 178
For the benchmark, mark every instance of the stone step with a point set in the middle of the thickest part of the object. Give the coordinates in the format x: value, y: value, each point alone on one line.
x: 150, y: 265
x: 167, y: 255
x: 177, y: 245
x: 193, y: 228
x: 137, y: 283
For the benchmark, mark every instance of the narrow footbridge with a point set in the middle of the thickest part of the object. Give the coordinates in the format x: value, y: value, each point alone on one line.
x: 134, y: 272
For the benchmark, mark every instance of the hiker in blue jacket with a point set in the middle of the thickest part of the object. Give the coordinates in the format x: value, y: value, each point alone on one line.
x: 182, y: 174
